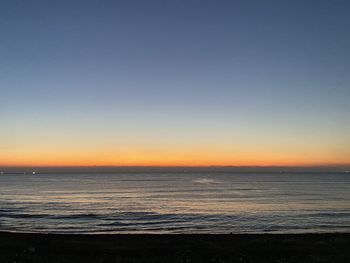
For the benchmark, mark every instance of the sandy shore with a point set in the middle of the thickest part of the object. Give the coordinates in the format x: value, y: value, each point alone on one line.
x: 15, y: 247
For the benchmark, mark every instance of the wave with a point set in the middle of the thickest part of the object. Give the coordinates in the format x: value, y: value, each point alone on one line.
x: 176, y: 204
x: 206, y: 181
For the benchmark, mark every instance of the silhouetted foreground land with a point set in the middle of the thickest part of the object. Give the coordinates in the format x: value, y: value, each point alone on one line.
x: 174, y: 248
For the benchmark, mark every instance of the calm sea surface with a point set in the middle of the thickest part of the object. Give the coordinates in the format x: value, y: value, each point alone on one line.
x: 175, y: 203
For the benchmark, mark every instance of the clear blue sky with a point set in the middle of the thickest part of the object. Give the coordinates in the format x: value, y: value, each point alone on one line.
x: 90, y: 82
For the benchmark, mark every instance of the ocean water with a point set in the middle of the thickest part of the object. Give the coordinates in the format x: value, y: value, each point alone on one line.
x: 175, y: 203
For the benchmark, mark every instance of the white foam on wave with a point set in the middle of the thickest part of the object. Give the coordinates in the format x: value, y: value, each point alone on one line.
x: 206, y: 181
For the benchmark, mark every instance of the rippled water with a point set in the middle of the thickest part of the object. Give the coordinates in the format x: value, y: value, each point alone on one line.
x: 175, y: 203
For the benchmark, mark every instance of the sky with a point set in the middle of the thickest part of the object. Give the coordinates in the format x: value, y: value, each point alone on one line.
x: 181, y: 83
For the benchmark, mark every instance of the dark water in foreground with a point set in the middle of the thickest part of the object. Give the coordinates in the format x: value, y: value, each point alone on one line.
x: 175, y: 203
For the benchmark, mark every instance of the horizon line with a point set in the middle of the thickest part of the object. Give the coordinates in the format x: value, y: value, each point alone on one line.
x: 171, y: 169
x: 180, y: 166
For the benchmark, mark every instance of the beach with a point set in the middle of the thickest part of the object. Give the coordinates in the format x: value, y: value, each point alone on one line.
x: 22, y: 247
x: 175, y: 131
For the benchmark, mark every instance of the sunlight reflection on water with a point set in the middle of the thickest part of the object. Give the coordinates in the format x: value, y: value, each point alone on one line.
x: 175, y: 203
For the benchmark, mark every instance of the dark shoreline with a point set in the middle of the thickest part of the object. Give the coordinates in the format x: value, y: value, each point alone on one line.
x: 20, y: 247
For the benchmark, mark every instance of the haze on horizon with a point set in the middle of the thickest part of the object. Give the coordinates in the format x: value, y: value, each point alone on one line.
x: 175, y: 83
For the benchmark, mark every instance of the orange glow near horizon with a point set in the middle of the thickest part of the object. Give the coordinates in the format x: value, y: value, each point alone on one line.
x: 175, y: 158
x: 67, y: 149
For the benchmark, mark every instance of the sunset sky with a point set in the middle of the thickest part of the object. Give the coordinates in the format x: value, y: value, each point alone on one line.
x: 179, y: 82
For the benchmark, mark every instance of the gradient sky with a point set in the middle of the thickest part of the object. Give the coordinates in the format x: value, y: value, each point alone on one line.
x: 179, y: 82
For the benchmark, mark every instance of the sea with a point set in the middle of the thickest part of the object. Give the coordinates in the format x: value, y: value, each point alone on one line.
x: 175, y: 203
